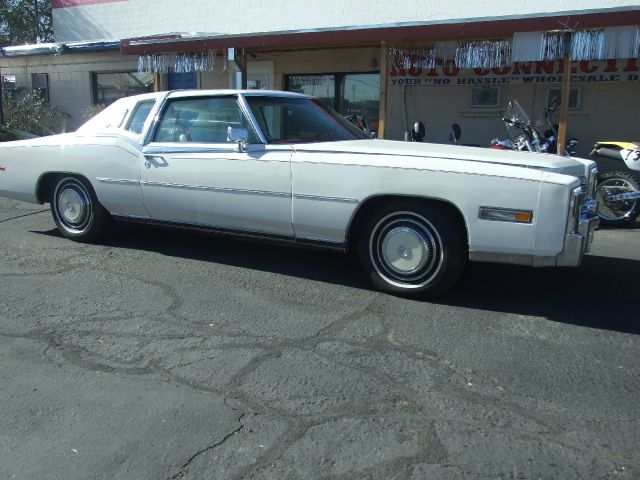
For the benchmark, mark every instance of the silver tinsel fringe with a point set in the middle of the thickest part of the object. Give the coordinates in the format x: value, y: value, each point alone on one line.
x: 413, y: 58
x: 481, y: 54
x: 584, y: 45
x: 484, y: 54
x: 588, y: 45
x: 552, y: 46
x: 178, y: 62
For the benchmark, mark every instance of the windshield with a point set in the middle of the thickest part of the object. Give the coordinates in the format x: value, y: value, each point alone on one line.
x: 300, y: 120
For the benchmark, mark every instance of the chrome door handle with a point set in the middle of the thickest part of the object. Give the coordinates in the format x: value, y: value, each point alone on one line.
x: 155, y: 160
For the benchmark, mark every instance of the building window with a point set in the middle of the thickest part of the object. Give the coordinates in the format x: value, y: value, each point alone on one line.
x: 346, y: 93
x: 485, y: 97
x: 40, y: 85
x: 575, y: 97
x: 9, y: 86
x: 257, y: 82
x: 110, y: 86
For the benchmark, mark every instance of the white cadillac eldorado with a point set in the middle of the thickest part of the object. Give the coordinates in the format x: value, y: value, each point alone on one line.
x: 279, y: 166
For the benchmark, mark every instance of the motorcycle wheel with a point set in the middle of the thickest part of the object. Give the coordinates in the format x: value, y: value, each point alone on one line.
x: 617, y: 212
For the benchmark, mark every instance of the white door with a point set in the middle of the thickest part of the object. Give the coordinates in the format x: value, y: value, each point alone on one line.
x: 260, y: 75
x: 192, y: 175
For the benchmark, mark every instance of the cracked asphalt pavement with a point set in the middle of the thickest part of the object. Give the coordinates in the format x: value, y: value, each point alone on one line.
x: 167, y: 355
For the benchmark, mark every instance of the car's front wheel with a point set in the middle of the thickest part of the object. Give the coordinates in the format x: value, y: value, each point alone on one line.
x: 413, y: 249
x: 76, y: 210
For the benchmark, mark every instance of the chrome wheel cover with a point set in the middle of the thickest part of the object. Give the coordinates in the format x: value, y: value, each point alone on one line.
x: 72, y: 205
x: 406, y: 250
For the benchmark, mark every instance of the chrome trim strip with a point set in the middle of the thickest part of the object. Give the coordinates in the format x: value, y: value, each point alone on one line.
x: 576, y: 199
x: 151, y: 128
x: 514, y: 259
x: 164, y: 148
x: 118, y: 180
x: 591, y: 182
x: 128, y: 217
x: 244, y: 105
x: 216, y: 189
x: 322, y: 198
x: 321, y: 243
x: 201, y: 226
x: 495, y: 257
x: 148, y: 138
x: 250, y: 234
x: 436, y: 157
x: 193, y: 148
x: 421, y: 169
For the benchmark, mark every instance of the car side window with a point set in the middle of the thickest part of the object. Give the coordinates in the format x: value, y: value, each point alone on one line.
x: 139, y: 116
x: 202, y: 120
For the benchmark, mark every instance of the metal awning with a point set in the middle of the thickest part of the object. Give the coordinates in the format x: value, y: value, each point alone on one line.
x: 57, y: 48
x: 492, y: 27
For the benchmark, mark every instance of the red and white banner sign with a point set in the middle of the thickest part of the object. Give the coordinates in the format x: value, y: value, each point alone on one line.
x: 446, y: 73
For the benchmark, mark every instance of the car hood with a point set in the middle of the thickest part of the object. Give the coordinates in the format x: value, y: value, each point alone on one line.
x: 538, y: 161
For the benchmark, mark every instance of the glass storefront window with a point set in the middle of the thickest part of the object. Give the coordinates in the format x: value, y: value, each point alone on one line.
x: 357, y: 93
x: 108, y: 87
x: 360, y: 94
x: 323, y: 87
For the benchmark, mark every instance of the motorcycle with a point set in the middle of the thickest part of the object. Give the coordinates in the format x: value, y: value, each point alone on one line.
x: 361, y: 122
x: 416, y: 134
x: 618, y: 188
x: 526, y: 136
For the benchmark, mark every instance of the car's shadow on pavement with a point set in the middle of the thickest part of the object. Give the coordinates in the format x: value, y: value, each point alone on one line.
x: 602, y: 294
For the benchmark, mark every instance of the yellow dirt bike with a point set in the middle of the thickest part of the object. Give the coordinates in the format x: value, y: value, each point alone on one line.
x: 618, y: 189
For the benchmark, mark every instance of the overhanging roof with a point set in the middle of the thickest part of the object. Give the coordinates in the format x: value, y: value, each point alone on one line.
x: 392, y: 33
x: 57, y: 48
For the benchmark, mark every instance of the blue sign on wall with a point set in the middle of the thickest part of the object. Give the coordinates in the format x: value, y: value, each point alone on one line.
x: 178, y: 81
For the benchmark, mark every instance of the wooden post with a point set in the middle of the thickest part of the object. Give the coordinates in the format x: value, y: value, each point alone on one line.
x: 241, y: 62
x: 245, y: 71
x: 384, y: 81
x: 564, y: 105
x: 1, y: 111
x: 156, y: 82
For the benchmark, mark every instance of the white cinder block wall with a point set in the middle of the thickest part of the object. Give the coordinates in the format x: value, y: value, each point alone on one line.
x: 117, y: 19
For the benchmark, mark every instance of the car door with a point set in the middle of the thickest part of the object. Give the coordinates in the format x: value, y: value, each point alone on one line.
x: 193, y: 175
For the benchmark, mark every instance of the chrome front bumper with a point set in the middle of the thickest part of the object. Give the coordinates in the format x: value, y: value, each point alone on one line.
x: 582, y: 223
x: 576, y: 244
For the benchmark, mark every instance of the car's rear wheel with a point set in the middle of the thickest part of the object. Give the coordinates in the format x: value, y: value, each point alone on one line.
x: 413, y: 249
x: 76, y: 210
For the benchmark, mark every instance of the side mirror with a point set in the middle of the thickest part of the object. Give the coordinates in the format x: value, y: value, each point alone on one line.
x: 239, y: 136
x: 456, y: 133
x: 418, y: 131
